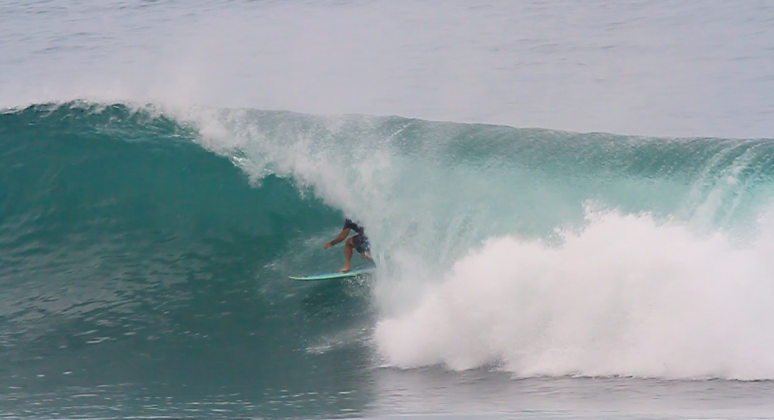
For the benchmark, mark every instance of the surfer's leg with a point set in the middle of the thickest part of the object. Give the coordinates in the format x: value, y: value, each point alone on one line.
x: 363, y: 247
x: 347, y: 254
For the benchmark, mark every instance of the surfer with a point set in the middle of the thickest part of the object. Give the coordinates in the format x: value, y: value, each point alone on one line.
x: 358, y: 242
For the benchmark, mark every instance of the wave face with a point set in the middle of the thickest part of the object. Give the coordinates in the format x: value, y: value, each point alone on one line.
x: 542, y: 252
x: 163, y: 238
x: 129, y: 254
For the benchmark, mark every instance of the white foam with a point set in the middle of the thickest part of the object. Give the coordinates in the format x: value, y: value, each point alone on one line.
x: 626, y: 296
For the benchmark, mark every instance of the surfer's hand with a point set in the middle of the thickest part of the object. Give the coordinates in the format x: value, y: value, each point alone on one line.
x: 327, y: 245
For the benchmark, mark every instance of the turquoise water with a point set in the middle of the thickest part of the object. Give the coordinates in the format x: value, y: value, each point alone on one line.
x: 145, y: 264
x: 164, y: 167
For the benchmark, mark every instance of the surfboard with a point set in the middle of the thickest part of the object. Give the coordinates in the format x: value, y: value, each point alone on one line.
x: 337, y: 275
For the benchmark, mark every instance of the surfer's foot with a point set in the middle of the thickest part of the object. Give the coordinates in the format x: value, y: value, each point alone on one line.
x: 344, y: 269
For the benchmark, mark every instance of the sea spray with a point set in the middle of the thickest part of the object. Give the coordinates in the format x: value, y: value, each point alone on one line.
x: 490, y: 254
x: 626, y: 296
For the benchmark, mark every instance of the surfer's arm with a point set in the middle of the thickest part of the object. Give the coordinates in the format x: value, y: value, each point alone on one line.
x: 342, y: 236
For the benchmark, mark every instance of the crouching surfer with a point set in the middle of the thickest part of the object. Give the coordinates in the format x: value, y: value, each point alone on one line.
x: 358, y: 242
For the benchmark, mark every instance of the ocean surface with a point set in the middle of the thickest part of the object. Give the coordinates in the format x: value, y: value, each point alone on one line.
x: 570, y: 205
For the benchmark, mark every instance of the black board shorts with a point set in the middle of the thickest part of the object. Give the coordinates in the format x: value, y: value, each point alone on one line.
x: 361, y: 244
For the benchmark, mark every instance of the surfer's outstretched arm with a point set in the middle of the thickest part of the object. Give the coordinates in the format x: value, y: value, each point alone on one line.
x: 342, y: 236
x: 347, y: 249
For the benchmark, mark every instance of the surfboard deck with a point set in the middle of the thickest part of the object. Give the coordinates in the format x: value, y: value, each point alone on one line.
x: 336, y: 275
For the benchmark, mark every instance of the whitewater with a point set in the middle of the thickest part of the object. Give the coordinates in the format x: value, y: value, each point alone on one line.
x: 570, y: 208
x: 547, y: 262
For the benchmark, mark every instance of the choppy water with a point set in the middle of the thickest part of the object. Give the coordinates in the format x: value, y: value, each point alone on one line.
x: 154, y: 198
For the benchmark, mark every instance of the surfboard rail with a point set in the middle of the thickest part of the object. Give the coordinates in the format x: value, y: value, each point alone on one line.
x: 336, y: 275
